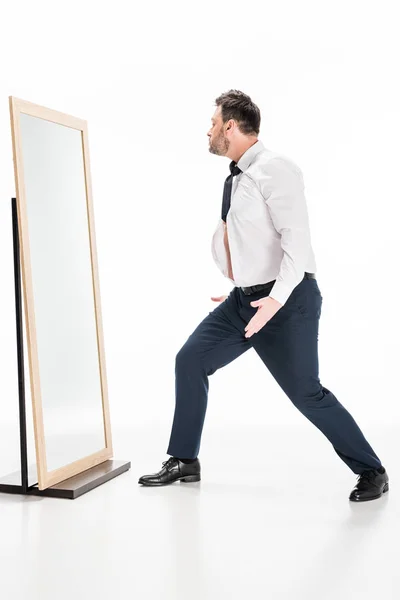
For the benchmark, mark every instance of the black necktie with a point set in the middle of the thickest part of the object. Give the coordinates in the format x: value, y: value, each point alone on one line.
x: 226, y: 197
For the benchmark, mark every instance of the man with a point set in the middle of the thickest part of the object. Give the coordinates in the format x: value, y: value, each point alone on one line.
x: 262, y: 245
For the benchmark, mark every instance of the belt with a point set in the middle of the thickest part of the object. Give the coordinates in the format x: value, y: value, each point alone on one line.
x: 261, y: 286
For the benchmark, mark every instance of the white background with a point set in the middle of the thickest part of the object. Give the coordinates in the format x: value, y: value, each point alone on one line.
x: 145, y: 80
x: 145, y: 77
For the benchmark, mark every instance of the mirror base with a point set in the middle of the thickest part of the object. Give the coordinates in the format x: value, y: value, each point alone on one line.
x: 69, y: 488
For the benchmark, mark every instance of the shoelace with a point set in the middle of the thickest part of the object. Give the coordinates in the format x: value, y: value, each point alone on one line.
x: 367, y: 475
x: 168, y: 462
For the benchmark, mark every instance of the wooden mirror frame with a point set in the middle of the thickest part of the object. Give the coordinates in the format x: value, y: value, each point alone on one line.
x: 48, y: 478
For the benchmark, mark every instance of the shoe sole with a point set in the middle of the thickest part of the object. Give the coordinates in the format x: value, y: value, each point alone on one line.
x: 185, y: 479
x: 385, y: 489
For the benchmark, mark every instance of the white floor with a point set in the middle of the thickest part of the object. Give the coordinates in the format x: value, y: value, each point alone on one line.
x: 272, y: 523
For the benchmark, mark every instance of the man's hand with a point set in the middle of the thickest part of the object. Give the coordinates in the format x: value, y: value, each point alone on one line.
x: 218, y: 298
x: 267, y: 307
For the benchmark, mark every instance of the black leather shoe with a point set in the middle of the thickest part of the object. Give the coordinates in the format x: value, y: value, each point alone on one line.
x: 172, y: 470
x: 370, y: 485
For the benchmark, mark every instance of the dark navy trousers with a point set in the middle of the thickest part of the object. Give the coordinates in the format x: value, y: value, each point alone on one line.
x: 288, y: 346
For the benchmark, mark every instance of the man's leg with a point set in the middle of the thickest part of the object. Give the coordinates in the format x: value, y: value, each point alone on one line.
x: 216, y: 341
x: 288, y: 345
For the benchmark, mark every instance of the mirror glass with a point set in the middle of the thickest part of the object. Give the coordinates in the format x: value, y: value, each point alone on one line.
x: 63, y: 295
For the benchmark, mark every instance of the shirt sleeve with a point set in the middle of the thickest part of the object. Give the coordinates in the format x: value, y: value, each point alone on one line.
x: 282, y: 186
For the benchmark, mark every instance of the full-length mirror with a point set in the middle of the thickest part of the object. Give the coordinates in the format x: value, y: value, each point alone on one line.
x: 61, y: 291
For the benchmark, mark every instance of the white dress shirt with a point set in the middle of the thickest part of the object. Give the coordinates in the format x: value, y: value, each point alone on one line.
x: 267, y: 224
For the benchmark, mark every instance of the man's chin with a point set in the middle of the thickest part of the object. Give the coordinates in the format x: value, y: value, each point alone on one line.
x: 214, y: 151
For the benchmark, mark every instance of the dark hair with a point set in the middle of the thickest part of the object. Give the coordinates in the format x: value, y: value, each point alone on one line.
x: 239, y: 106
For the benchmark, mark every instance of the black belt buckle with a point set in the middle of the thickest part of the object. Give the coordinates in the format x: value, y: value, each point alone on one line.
x: 256, y: 288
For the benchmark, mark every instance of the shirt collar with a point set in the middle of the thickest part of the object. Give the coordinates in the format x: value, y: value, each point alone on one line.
x: 247, y: 157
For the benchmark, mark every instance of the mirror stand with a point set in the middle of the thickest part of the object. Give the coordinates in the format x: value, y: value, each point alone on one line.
x: 18, y: 482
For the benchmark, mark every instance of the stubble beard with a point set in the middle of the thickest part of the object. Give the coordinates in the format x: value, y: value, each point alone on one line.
x: 220, y: 146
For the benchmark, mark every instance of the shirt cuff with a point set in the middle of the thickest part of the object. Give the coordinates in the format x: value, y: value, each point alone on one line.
x: 280, y: 291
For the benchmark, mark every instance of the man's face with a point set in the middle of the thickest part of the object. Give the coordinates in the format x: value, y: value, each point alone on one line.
x: 218, y: 141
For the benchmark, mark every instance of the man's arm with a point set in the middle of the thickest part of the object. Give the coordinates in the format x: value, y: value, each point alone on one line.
x: 282, y: 187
